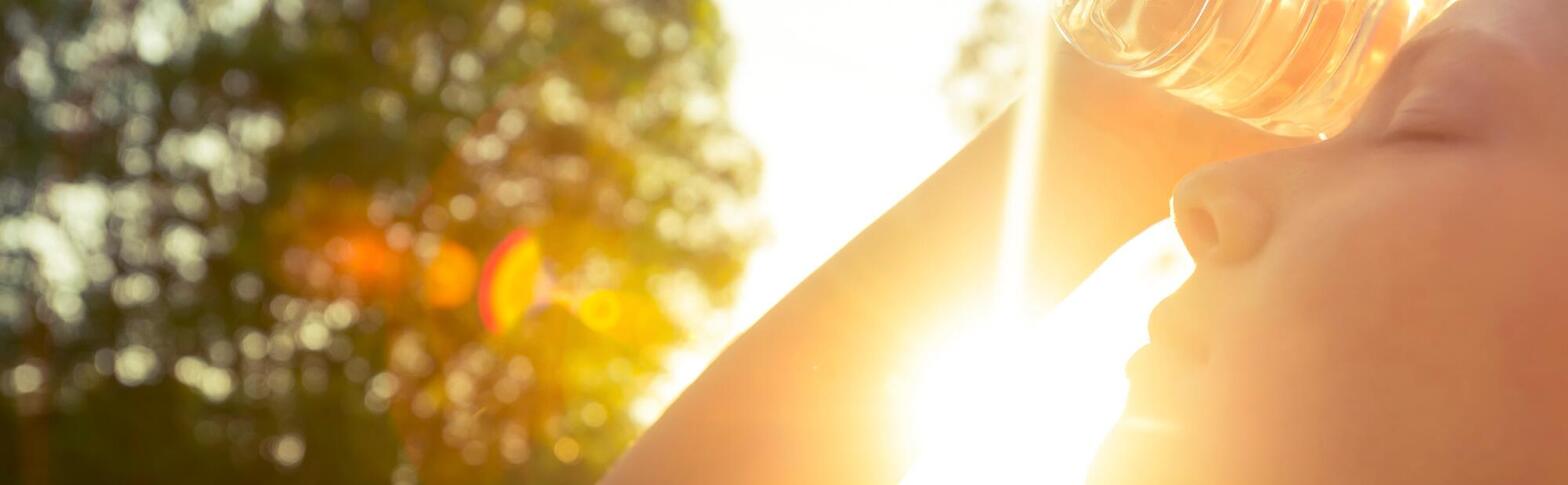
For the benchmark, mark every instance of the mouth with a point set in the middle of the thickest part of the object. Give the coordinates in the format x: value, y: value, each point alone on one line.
x: 1159, y: 372
x: 1146, y: 364
x: 1175, y: 341
x: 1155, y: 439
x: 1177, y: 329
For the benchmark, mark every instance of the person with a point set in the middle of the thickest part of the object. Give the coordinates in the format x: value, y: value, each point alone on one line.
x: 1385, y: 307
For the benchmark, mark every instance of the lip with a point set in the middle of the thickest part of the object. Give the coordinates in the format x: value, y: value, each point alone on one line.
x: 1141, y: 365
x: 1156, y: 383
x: 1155, y: 368
x: 1176, y: 331
x: 1175, y: 351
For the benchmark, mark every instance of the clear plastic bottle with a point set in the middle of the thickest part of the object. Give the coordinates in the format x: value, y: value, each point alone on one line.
x: 1292, y: 67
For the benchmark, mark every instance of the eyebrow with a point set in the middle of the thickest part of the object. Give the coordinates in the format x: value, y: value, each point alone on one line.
x: 1410, y: 58
x: 1449, y: 44
x: 1502, y: 73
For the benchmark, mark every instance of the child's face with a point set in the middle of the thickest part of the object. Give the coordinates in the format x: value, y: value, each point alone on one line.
x: 1388, y: 307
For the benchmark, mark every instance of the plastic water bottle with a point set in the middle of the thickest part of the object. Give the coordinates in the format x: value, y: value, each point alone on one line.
x: 1291, y: 67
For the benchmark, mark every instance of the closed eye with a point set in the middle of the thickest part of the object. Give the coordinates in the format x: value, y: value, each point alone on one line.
x: 1428, y: 120
x: 1443, y: 90
x: 1444, y: 105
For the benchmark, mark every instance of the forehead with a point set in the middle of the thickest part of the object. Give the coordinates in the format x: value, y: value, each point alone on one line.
x: 1537, y: 29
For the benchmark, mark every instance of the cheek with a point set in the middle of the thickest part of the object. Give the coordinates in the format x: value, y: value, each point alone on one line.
x: 1449, y: 252
x: 1394, y: 314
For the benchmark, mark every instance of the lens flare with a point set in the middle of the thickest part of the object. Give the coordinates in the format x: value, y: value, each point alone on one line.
x: 509, y: 284
x: 600, y: 310
x: 449, y: 277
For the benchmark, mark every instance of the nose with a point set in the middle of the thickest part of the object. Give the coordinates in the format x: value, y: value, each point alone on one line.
x: 1221, y: 216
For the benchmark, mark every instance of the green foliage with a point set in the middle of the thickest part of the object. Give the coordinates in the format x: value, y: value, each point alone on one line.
x: 238, y: 237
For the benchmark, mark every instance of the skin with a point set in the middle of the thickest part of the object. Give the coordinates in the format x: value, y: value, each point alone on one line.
x: 1382, y: 308
x: 803, y: 396
x: 1387, y: 307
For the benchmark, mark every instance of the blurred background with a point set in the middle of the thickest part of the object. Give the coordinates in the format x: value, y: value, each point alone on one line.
x: 478, y: 241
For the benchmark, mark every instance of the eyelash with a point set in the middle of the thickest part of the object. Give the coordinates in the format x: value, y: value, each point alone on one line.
x: 1441, y: 107
x: 1419, y: 135
x: 1416, y: 121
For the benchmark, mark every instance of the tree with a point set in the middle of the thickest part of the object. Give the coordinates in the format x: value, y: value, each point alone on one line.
x: 239, y: 240
x: 989, y: 70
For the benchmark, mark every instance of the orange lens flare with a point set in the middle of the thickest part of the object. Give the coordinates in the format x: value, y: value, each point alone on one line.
x: 449, y: 278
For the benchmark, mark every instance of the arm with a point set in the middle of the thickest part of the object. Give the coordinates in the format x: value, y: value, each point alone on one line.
x: 803, y: 397
x: 1114, y: 148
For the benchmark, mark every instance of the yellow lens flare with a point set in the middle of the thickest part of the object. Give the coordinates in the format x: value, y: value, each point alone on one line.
x: 509, y: 284
x: 601, y: 310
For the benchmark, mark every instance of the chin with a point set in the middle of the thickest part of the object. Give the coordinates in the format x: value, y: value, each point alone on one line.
x: 1142, y: 453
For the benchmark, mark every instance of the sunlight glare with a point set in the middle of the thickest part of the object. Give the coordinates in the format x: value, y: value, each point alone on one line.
x: 1022, y: 175
x: 1018, y: 401
x: 1030, y: 402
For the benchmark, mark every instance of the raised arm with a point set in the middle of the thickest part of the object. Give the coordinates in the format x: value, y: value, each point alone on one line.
x: 804, y: 396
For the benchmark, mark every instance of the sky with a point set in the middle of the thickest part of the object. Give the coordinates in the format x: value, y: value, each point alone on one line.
x: 843, y: 98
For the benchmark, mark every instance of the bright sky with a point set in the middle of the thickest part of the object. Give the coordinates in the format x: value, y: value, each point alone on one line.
x: 844, y: 100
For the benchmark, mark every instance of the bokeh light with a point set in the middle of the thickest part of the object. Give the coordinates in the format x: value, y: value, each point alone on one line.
x: 250, y: 232
x: 450, y: 276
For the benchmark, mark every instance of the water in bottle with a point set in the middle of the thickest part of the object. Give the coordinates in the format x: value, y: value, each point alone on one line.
x: 1292, y: 67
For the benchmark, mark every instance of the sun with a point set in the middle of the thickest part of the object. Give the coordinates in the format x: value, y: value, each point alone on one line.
x: 1021, y: 401
x: 1029, y: 402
